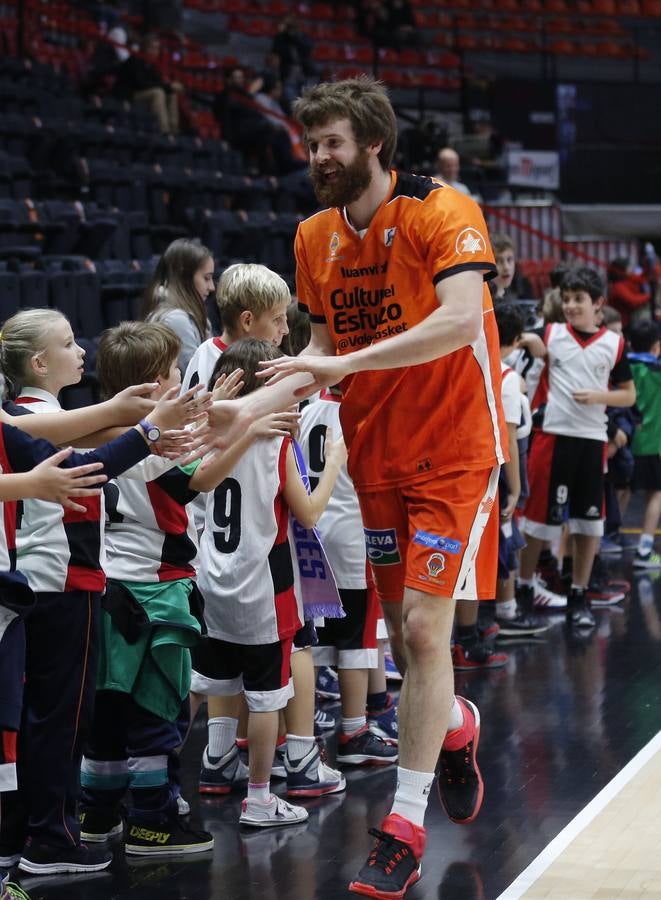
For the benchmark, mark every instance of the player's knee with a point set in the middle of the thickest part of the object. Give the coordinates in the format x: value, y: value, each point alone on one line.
x: 420, y: 633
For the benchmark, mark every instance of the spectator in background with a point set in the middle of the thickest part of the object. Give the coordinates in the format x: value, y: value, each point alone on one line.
x: 448, y: 169
x: 108, y: 56
x: 627, y: 291
x: 139, y: 80
x: 176, y: 295
x: 508, y: 285
x: 246, y: 124
x: 294, y: 50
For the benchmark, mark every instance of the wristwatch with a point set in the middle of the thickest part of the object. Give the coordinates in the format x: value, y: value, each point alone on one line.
x: 152, y: 432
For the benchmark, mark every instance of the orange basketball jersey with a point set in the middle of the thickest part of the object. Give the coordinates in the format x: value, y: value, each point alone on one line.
x: 441, y: 416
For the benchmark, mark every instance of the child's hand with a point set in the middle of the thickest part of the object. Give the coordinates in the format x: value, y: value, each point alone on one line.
x: 586, y: 397
x: 60, y: 485
x: 228, y: 386
x: 508, y: 510
x: 132, y: 404
x: 335, y: 452
x: 174, y: 411
x: 173, y: 444
x: 275, y: 424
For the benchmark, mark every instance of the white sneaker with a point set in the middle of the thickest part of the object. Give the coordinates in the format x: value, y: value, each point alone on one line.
x: 546, y: 599
x: 271, y: 815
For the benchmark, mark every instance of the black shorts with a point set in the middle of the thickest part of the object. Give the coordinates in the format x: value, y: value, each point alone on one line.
x: 261, y: 671
x: 351, y: 642
x: 647, y: 473
x: 566, y: 476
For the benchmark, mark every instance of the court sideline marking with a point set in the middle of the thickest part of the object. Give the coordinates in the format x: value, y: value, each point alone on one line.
x: 552, y: 851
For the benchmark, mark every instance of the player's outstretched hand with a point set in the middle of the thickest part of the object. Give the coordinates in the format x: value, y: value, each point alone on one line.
x: 275, y: 424
x: 228, y: 386
x: 132, y: 404
x: 60, y: 485
x: 175, y: 410
x: 335, y: 452
x: 324, y: 371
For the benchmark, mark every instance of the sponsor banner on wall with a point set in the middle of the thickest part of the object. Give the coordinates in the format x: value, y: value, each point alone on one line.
x: 534, y: 168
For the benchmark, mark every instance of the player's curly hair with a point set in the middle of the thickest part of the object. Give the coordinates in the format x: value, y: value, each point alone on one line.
x: 363, y: 101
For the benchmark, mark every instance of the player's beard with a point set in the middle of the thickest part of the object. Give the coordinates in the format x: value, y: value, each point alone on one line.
x: 350, y: 182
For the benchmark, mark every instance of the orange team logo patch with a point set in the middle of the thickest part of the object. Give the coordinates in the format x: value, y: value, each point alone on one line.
x: 469, y: 240
x: 487, y: 506
x: 334, y: 245
x: 436, y: 564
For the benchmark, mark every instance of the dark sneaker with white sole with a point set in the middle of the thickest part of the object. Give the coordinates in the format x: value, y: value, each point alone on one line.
x: 98, y: 825
x: 45, y: 859
x: 168, y: 835
x: 364, y: 748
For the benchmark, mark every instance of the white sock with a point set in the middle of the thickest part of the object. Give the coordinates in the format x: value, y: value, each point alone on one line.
x: 525, y: 582
x: 506, y: 609
x: 412, y: 794
x: 645, y: 544
x: 456, y: 719
x: 222, y: 736
x: 351, y: 726
x: 261, y: 792
x: 298, y: 747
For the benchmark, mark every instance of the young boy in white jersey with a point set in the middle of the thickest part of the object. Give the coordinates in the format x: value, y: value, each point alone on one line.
x: 252, y: 615
x: 567, y: 458
x: 349, y: 642
x: 252, y: 302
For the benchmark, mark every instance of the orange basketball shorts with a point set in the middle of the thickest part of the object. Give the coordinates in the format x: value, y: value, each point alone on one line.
x: 426, y: 536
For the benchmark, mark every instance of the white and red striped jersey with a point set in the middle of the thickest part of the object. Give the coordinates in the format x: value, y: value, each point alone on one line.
x: 200, y: 368
x: 341, y: 526
x: 149, y: 535
x: 246, y: 572
x: 573, y: 363
x: 62, y: 550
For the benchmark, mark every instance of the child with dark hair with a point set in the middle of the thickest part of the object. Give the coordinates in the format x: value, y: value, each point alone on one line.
x: 252, y: 614
x: 566, y: 459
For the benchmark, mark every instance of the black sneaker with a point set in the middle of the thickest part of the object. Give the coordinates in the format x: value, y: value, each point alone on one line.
x: 459, y: 782
x: 365, y: 748
x: 579, y: 613
x: 99, y: 824
x: 44, y: 859
x: 394, y: 863
x: 167, y: 835
x: 521, y: 624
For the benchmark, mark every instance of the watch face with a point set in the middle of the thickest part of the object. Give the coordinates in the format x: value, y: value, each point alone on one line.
x: 153, y: 434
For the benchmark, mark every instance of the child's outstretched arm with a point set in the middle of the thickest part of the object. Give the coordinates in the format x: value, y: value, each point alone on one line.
x: 218, y: 465
x: 68, y: 426
x: 47, y: 481
x: 307, y: 508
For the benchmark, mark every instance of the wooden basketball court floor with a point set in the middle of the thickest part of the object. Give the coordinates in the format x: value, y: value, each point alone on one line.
x: 570, y: 754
